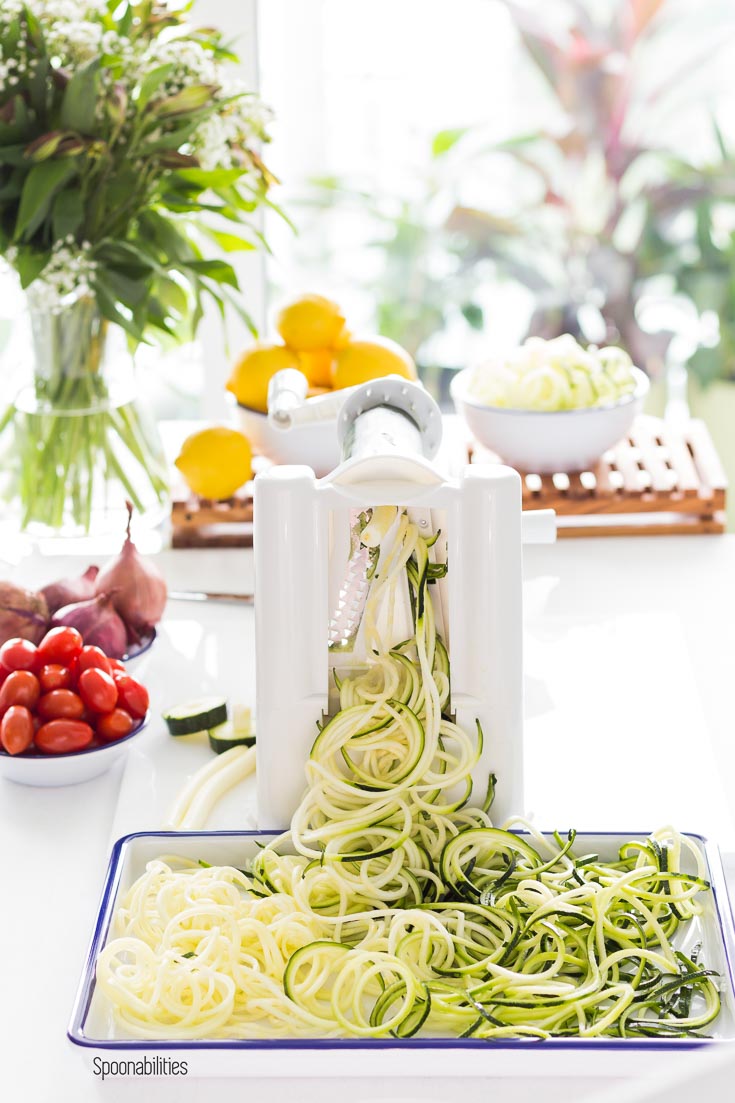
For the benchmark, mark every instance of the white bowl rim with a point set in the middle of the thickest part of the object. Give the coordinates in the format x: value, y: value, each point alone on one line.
x: 263, y: 416
x: 42, y: 756
x: 459, y: 391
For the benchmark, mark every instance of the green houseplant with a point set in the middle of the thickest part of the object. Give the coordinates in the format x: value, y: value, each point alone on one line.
x: 128, y: 166
x: 615, y: 208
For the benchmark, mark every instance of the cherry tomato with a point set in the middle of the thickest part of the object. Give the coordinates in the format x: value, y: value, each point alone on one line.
x: 3, y: 673
x: 114, y: 725
x: 60, y: 704
x: 54, y: 676
x: 60, y: 645
x: 97, y: 690
x: 132, y: 695
x: 16, y: 729
x: 18, y: 654
x: 61, y: 736
x: 19, y: 688
x: 116, y: 665
x: 94, y: 657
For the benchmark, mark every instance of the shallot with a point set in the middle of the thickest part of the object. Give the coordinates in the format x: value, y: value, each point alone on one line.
x: 22, y: 613
x: 138, y: 588
x: 68, y: 591
x: 98, y: 622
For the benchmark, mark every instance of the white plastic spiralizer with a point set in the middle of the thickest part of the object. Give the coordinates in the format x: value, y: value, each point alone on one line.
x: 312, y: 579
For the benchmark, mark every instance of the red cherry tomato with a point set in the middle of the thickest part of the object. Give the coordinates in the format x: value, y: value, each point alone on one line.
x: 18, y: 654
x: 91, y: 657
x: 16, y: 729
x: 54, y: 676
x: 61, y: 736
x: 60, y: 645
x: 3, y: 673
x: 19, y: 688
x: 60, y: 704
x: 114, y: 725
x: 132, y: 695
x: 116, y: 665
x: 97, y: 690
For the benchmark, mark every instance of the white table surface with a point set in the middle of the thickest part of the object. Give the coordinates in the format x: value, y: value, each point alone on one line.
x: 630, y: 656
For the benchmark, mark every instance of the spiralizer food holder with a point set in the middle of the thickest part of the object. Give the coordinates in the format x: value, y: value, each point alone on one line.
x: 312, y: 569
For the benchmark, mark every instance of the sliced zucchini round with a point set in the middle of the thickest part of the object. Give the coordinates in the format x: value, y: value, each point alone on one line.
x: 226, y: 736
x: 196, y: 716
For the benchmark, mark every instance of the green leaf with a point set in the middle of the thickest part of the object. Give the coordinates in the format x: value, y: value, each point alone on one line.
x: 67, y: 213
x: 151, y: 83
x: 79, y: 104
x: 721, y: 143
x: 212, y: 178
x: 126, y: 254
x: 473, y: 315
x: 156, y: 141
x: 446, y: 140
x: 129, y: 292
x: 14, y: 120
x: 13, y: 186
x: 29, y: 264
x: 239, y: 309
x: 42, y: 183
x: 12, y: 155
x: 108, y: 306
x: 218, y: 270
x: 173, y: 297
x: 174, y: 245
x: 707, y: 364
x: 229, y: 243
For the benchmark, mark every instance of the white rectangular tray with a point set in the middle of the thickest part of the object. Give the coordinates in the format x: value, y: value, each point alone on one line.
x: 92, y: 1029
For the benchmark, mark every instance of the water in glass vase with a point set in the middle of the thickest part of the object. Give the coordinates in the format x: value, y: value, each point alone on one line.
x: 77, y: 442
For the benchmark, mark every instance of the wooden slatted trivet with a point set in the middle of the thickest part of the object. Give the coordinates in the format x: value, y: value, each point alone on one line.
x: 662, y: 479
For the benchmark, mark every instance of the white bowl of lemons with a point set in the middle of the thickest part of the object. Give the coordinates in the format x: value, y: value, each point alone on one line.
x: 551, y: 406
x: 315, y: 341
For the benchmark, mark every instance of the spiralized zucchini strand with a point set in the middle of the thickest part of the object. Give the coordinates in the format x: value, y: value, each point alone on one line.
x: 393, y: 905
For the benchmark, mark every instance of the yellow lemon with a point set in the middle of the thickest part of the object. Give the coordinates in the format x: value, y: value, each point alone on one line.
x: 310, y: 322
x: 253, y: 372
x: 361, y: 361
x: 216, y: 462
x: 317, y: 366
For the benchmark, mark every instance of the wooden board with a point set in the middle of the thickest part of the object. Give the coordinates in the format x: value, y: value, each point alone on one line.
x: 661, y: 480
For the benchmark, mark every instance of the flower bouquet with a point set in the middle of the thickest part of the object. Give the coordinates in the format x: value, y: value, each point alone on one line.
x: 128, y: 169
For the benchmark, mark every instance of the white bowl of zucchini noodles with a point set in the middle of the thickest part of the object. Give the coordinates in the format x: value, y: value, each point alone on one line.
x: 551, y: 417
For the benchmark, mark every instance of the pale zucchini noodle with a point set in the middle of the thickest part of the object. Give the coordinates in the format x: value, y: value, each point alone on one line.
x: 394, y: 906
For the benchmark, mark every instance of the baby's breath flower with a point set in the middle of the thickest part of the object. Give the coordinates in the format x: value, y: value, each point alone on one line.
x: 67, y: 276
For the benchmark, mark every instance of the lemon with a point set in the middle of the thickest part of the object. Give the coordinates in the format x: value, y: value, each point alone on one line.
x: 310, y: 322
x: 253, y: 372
x: 216, y: 462
x: 317, y: 366
x: 361, y: 361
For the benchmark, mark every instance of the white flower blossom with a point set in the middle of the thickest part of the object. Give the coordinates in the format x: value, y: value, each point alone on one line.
x: 67, y: 275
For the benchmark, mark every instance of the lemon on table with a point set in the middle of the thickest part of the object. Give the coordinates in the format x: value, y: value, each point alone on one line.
x: 310, y: 322
x: 216, y: 462
x: 253, y: 372
x: 317, y: 366
x: 361, y: 361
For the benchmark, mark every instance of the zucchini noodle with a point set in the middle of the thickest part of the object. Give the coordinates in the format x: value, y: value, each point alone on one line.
x: 395, y: 907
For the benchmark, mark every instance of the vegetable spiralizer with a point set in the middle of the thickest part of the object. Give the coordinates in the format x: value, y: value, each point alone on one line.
x: 312, y: 562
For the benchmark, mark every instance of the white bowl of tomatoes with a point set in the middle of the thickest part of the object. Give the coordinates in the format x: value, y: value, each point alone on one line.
x: 68, y: 712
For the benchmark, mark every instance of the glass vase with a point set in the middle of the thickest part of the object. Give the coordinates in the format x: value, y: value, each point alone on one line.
x: 77, y: 443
